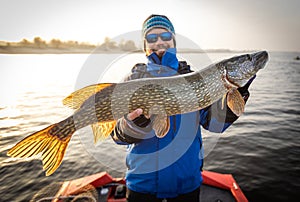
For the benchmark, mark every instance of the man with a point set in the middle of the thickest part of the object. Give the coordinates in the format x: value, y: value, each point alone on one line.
x: 168, y: 168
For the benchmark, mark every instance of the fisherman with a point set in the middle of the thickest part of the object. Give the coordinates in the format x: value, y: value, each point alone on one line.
x: 181, y: 180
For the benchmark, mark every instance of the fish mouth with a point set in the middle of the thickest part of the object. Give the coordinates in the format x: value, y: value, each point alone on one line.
x: 249, y: 65
x: 261, y: 58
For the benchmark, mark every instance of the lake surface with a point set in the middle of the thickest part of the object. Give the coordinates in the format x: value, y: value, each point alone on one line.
x: 261, y: 149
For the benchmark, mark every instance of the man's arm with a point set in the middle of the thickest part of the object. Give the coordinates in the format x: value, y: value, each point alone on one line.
x: 217, y: 119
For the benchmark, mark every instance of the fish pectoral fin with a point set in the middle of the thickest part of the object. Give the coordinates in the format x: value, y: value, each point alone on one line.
x: 102, y: 130
x: 161, y: 125
x: 235, y: 102
x: 223, y: 101
x: 75, y: 99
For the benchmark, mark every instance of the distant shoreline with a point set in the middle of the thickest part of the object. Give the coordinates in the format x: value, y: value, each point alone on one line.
x: 33, y: 50
x: 26, y: 50
x: 56, y: 46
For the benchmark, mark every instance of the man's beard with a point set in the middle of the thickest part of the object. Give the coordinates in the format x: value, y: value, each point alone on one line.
x: 160, y: 47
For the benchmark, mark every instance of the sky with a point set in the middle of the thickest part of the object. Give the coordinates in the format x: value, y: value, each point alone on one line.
x: 272, y: 25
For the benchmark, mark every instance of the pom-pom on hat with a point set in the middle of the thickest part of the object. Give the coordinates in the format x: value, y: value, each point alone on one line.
x: 157, y: 21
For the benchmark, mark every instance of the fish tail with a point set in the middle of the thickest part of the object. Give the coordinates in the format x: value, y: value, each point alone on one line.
x: 51, y: 142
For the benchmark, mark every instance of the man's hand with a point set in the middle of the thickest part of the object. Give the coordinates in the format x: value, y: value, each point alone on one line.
x: 138, y: 118
x: 136, y: 113
x: 244, y: 89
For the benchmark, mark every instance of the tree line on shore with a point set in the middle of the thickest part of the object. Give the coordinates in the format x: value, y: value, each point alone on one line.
x: 39, y: 43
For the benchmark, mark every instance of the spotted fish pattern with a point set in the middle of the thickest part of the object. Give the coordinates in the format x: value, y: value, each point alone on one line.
x: 101, y: 105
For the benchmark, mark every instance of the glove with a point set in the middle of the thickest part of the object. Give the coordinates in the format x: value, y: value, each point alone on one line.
x: 139, y: 126
x: 244, y: 89
x: 141, y: 121
x: 133, y: 131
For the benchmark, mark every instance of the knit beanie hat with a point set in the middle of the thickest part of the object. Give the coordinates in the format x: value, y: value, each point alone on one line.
x: 157, y: 21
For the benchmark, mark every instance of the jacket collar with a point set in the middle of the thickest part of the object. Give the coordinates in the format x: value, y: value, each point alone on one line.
x: 168, y: 63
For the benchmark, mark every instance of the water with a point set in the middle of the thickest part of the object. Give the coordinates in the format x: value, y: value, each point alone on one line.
x: 261, y: 150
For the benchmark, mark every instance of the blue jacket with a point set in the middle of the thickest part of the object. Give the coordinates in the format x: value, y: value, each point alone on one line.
x: 171, y: 165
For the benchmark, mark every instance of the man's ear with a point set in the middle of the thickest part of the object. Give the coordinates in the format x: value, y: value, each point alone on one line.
x: 144, y: 45
x: 174, y: 41
x: 146, y: 50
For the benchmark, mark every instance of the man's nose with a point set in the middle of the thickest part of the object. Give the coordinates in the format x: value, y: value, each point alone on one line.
x: 159, y: 41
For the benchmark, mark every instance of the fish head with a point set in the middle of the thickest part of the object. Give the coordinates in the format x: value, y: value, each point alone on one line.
x: 241, y: 68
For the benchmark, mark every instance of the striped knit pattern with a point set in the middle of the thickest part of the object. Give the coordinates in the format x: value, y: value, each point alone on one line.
x: 157, y: 21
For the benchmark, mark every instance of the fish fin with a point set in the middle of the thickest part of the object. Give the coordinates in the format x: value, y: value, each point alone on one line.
x: 235, y: 102
x: 102, y: 130
x: 161, y: 125
x: 75, y: 99
x: 223, y: 101
x: 49, y: 144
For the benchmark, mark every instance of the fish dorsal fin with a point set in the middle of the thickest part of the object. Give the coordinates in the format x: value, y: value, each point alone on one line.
x: 102, y: 130
x: 75, y: 99
x: 235, y: 102
x: 161, y: 125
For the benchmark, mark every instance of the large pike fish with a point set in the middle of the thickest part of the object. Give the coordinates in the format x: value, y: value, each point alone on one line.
x: 102, y: 104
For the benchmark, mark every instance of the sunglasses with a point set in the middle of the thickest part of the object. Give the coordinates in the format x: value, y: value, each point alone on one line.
x: 165, y: 36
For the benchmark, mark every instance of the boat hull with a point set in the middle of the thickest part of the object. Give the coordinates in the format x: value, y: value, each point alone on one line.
x: 104, y: 188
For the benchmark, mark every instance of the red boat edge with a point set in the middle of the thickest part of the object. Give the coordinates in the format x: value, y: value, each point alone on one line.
x: 76, y: 186
x: 211, y: 181
x: 224, y: 181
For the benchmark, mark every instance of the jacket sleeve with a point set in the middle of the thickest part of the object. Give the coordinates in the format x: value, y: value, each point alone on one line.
x: 216, y: 119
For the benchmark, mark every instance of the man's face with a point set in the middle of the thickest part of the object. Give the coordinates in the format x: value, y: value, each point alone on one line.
x: 160, y: 46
